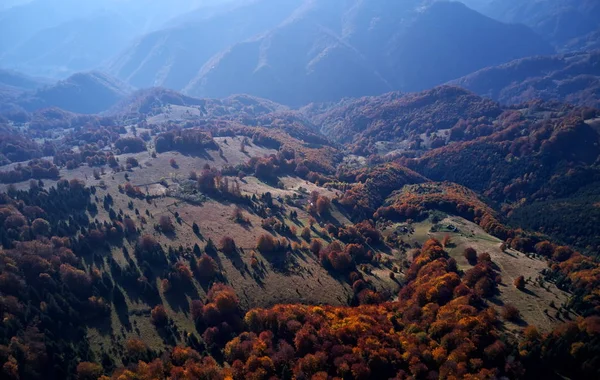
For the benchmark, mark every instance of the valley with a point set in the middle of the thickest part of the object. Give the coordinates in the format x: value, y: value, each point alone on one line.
x: 302, y: 189
x: 188, y: 197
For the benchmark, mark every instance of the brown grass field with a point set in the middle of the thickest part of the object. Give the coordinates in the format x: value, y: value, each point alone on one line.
x: 534, y: 302
x: 302, y: 279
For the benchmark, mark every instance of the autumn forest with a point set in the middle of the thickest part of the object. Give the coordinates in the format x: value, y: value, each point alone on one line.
x: 332, y: 190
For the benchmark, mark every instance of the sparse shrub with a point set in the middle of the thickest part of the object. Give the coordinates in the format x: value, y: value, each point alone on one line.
x: 305, y: 234
x: 510, y: 313
x: 228, y: 245
x: 315, y: 246
x: 207, y: 267
x: 132, y: 162
x: 519, y: 283
x: 323, y: 205
x: 267, y: 244
x: 158, y: 316
x: 89, y: 371
x: 238, y: 215
x: 165, y: 284
x: 471, y: 255
x: 166, y: 224
x: 129, y: 226
x: 148, y: 243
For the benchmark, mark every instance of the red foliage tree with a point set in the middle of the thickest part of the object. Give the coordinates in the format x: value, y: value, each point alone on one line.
x: 89, y: 371
x: 159, y: 316
x: 471, y: 255
x: 323, y: 205
x: 166, y: 224
x: 267, y: 244
x: 305, y: 234
x: 519, y: 282
x: 40, y: 227
x: 148, y: 243
x: 228, y: 245
x: 207, y: 267
x: 510, y: 313
x: 315, y: 246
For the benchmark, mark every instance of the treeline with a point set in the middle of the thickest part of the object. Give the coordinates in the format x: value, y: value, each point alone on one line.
x: 320, y: 159
x: 397, y: 117
x: 431, y: 333
x: 15, y: 147
x: 373, y: 185
x: 185, y: 141
x: 439, y: 328
x: 555, y: 158
x: 562, y: 219
x: 415, y: 202
x: 45, y: 295
x: 35, y: 169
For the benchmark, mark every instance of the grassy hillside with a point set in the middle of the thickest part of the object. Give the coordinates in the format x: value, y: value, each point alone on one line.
x: 176, y: 236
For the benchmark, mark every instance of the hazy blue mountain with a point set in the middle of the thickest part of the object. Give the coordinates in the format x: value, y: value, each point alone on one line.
x: 21, y: 81
x: 572, y: 78
x: 590, y: 41
x: 90, y: 92
x: 75, y: 45
x: 293, y: 51
x: 300, y: 61
x: 19, y: 23
x: 14, y: 84
x: 173, y: 56
x: 330, y: 49
x: 448, y: 40
x: 60, y: 37
x: 559, y: 21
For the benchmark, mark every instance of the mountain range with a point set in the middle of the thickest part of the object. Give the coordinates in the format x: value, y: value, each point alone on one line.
x: 60, y: 37
x: 573, y: 78
x: 299, y: 189
x: 301, y: 51
x: 324, y: 50
x: 560, y: 22
x: 296, y: 52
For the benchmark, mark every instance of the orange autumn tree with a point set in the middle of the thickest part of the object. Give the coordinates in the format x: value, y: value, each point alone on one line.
x: 520, y: 282
x: 437, y: 328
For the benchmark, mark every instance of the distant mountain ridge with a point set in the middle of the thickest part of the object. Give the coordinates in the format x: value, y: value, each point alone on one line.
x: 21, y: 81
x: 304, y: 51
x: 571, y: 78
x: 171, y: 57
x: 13, y: 84
x: 558, y: 21
x: 72, y: 46
x: 88, y: 93
x: 60, y: 37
